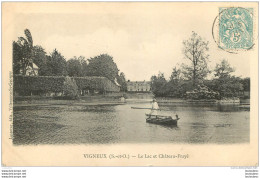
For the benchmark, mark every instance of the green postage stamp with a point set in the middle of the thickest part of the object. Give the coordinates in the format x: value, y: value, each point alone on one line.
x: 236, y: 28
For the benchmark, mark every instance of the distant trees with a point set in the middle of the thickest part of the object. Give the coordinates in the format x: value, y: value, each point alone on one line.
x: 102, y: 65
x: 178, y: 85
x: 226, y: 84
x: 77, y: 66
x: 190, y: 81
x: 55, y: 64
x: 158, y: 84
x: 74, y: 67
x: 40, y: 59
x: 223, y: 69
x: 122, y: 81
x: 195, y: 49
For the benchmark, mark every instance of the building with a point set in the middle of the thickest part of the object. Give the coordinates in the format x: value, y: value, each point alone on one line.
x: 138, y: 86
x: 31, y: 70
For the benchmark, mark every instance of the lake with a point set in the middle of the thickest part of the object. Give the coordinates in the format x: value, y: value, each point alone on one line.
x: 116, y: 124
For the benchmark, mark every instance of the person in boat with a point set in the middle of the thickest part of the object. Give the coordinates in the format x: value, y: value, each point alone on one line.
x: 155, y: 108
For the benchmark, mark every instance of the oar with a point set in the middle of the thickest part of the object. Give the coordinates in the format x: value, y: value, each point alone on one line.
x: 150, y: 109
x: 139, y: 108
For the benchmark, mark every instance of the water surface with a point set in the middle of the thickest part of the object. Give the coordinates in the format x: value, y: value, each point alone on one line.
x: 63, y: 124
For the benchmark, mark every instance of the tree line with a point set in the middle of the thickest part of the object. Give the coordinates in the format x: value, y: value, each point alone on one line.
x: 55, y: 64
x: 191, y: 81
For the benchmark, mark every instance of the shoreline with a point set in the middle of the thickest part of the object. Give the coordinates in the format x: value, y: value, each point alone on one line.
x: 106, y: 101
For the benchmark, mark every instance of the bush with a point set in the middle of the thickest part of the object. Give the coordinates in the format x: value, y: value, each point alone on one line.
x: 202, y: 92
x: 70, y: 88
x: 38, y: 83
x: 24, y: 85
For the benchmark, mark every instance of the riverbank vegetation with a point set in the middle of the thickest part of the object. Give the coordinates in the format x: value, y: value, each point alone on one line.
x: 54, y: 65
x: 192, y: 81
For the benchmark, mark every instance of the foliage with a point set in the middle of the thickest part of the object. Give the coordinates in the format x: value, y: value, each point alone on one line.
x: 202, y: 92
x: 158, y: 85
x: 122, y: 81
x: 246, y: 84
x: 56, y: 64
x: 77, y: 67
x: 173, y: 87
x: 103, y: 66
x: 38, y: 83
x: 55, y: 83
x: 225, y: 84
x: 70, y: 88
x: 223, y: 69
x: 17, y: 56
x: 40, y: 59
x: 96, y: 83
x: 195, y: 49
x: 22, y: 53
x: 74, y: 68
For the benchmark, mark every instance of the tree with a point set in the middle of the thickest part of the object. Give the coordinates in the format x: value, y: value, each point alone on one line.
x: 158, y: 84
x: 223, y: 69
x: 70, y: 88
x: 246, y: 84
x: 40, y: 59
x: 17, y: 58
x: 173, y: 87
x: 22, y: 53
x: 176, y: 75
x: 122, y: 81
x: 225, y: 84
x: 84, y: 64
x: 195, y: 49
x: 102, y: 65
x: 74, y: 67
x: 56, y: 64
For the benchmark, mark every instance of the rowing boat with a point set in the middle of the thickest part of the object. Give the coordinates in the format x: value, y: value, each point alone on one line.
x: 162, y: 120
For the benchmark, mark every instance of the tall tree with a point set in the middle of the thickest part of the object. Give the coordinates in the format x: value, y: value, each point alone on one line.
x: 56, y: 64
x: 84, y: 64
x: 102, y: 65
x: 122, y: 81
x: 40, y: 59
x: 74, y: 67
x: 174, y: 85
x: 158, y: 84
x: 226, y: 84
x: 17, y: 58
x: 195, y: 49
x: 22, y: 53
x: 223, y: 69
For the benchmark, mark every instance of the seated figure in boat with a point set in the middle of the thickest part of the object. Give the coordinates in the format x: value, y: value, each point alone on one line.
x: 155, y: 108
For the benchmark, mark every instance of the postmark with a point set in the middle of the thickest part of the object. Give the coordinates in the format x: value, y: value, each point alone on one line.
x: 233, y: 29
x: 236, y: 28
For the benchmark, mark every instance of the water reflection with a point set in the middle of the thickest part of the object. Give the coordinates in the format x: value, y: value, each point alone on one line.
x: 199, y: 123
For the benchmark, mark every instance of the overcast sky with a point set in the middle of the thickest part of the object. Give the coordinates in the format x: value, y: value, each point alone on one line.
x: 143, y: 39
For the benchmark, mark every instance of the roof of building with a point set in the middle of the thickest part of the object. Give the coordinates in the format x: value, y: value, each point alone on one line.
x: 117, y: 82
x: 35, y: 66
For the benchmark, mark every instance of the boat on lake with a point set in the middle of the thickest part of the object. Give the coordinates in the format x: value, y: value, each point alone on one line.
x: 162, y: 120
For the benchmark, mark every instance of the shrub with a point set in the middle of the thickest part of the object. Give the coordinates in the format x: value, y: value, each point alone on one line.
x: 45, y: 84
x: 70, y: 88
x: 202, y: 92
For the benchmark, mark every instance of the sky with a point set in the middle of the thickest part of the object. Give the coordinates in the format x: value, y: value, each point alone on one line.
x: 144, y: 39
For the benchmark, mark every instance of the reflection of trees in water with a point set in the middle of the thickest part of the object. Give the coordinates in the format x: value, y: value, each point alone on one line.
x: 204, y: 107
x: 99, y: 109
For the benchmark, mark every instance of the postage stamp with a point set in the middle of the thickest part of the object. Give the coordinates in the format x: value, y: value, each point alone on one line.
x: 236, y: 28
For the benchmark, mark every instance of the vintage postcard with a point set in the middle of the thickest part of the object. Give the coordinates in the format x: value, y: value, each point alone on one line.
x: 130, y: 83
